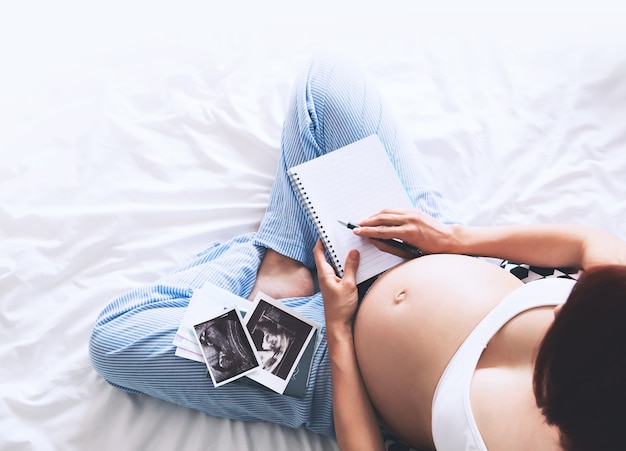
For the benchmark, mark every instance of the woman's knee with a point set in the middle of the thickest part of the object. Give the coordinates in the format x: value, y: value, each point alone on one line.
x: 124, y: 340
x: 330, y: 75
x: 102, y: 353
x: 342, y: 104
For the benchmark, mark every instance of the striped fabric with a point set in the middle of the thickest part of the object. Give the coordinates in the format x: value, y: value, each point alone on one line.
x: 131, y: 346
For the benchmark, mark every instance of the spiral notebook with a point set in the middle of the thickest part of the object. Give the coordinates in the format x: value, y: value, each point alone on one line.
x: 350, y: 184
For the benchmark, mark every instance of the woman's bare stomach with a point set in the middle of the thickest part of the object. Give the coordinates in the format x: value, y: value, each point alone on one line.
x: 411, y: 323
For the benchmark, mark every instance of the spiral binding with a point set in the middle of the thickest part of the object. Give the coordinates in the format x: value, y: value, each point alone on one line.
x: 308, y: 206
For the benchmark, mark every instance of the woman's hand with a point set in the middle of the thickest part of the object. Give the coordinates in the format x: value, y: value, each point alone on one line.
x: 411, y: 226
x: 340, y: 295
x: 356, y: 424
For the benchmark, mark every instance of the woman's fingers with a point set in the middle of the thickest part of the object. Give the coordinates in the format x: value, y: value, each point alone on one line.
x: 323, y: 268
x: 351, y: 266
x: 385, y: 218
x: 387, y: 226
x: 379, y: 231
x: 382, y: 246
x: 340, y: 296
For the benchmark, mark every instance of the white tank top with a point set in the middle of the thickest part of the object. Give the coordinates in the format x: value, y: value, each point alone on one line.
x: 453, y: 425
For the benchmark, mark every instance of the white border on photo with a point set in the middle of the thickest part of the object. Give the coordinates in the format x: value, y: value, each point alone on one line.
x: 208, y: 301
x: 266, y: 377
x: 249, y: 342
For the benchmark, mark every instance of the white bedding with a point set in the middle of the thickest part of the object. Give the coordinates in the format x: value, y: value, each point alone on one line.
x: 132, y: 138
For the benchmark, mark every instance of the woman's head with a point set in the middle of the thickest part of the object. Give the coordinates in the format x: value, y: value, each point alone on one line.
x: 580, y: 371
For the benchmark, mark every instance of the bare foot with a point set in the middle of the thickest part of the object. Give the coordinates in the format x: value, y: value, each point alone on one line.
x: 282, y: 277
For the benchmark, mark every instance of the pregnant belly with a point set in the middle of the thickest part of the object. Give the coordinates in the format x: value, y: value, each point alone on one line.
x: 410, y: 324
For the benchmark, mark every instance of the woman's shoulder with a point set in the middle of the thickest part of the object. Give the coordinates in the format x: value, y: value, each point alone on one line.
x: 505, y: 411
x: 501, y: 392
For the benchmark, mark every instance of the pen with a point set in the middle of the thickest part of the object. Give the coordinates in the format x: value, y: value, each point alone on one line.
x: 395, y: 242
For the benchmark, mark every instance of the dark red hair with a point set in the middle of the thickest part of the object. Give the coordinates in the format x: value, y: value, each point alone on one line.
x: 580, y: 370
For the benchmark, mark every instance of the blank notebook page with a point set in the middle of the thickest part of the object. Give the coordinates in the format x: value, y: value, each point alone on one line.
x: 350, y: 184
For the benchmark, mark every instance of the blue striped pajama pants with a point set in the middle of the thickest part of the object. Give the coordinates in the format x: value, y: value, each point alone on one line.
x: 131, y: 346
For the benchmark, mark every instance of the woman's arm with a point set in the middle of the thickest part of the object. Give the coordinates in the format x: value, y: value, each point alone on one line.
x: 543, y: 245
x: 355, y: 421
x: 539, y: 245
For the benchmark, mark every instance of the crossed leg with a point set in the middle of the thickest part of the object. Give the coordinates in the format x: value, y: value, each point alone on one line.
x: 131, y: 345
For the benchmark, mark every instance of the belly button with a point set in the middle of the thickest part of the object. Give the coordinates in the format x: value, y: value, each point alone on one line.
x: 400, y: 297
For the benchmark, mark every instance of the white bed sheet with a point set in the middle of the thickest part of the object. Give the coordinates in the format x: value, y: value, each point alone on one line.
x: 130, y: 139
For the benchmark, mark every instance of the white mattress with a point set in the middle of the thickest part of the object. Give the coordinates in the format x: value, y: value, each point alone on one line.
x: 132, y: 138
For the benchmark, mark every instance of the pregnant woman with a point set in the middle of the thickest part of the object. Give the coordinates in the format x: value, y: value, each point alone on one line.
x: 445, y: 351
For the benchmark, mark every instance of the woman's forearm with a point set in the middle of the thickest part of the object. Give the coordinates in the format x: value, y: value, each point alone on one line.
x: 541, y: 245
x: 355, y: 421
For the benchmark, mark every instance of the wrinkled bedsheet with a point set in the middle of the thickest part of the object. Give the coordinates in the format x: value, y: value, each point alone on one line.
x: 132, y: 138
